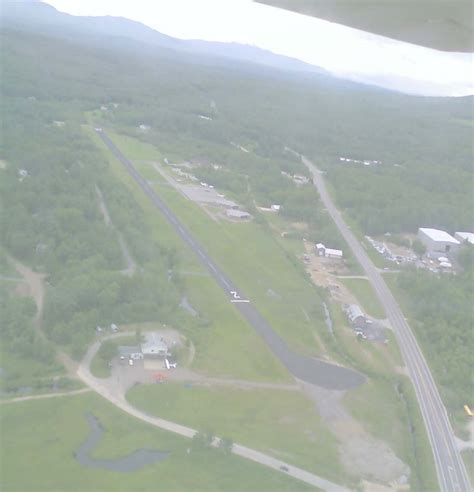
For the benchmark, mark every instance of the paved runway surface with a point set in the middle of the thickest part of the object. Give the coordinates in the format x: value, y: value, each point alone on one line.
x: 307, y: 369
x: 450, y: 467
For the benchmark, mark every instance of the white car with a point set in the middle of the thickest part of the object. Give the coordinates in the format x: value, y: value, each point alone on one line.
x: 130, y: 362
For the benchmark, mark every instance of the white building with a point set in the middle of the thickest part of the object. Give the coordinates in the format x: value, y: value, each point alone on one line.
x: 328, y: 252
x: 237, y: 214
x: 154, y: 346
x: 333, y: 253
x: 320, y: 249
x: 356, y: 316
x: 463, y: 237
x: 437, y: 241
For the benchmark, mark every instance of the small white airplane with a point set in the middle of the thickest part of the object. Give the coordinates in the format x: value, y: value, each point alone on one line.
x: 170, y: 365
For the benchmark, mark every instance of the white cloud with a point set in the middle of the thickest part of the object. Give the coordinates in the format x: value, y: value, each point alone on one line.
x: 344, y: 51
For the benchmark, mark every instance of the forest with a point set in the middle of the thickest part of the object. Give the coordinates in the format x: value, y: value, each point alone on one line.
x: 442, y: 308
x: 51, y: 220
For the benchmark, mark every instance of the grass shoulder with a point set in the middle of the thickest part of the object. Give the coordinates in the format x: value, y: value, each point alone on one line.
x: 366, y: 296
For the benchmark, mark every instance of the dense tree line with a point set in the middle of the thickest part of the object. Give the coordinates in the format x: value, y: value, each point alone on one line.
x: 442, y: 307
x: 405, y: 197
x: 17, y: 331
x: 428, y: 138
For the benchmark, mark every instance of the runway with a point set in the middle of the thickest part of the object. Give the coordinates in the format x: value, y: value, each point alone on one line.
x: 308, y: 369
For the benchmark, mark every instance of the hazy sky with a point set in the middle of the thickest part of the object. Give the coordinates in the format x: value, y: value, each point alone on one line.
x: 342, y: 50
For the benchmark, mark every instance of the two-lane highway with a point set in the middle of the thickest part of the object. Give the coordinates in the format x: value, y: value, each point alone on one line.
x: 450, y: 467
x: 308, y: 369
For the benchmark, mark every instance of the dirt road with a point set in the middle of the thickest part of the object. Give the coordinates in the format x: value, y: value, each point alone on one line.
x: 46, y: 395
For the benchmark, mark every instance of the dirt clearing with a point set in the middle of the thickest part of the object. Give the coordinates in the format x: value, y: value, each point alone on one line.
x: 361, y: 454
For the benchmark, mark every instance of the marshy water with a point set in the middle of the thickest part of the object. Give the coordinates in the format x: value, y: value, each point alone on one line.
x: 130, y: 463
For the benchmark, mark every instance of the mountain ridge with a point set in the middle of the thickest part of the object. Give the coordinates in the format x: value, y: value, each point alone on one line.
x: 47, y: 18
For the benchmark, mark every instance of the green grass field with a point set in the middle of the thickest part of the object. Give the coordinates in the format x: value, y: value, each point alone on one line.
x: 281, y: 423
x: 26, y: 374
x: 228, y: 346
x: 468, y: 457
x: 39, y: 439
x: 6, y: 268
x: 365, y: 294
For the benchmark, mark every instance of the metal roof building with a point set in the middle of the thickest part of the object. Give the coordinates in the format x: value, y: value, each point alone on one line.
x: 237, y: 214
x: 437, y: 241
x: 465, y: 236
x: 130, y: 352
x: 333, y: 253
x: 356, y: 315
x: 154, y: 345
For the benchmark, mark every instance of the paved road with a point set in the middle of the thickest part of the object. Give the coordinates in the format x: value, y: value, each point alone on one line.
x: 108, y: 390
x: 307, y: 369
x: 450, y: 467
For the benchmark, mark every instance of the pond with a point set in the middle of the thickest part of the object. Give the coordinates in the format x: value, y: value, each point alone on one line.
x: 130, y: 463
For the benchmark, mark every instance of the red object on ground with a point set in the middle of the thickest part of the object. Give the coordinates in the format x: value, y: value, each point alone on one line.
x: 158, y: 376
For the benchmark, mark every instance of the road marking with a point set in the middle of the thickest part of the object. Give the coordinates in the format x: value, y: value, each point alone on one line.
x: 224, y: 281
x: 239, y: 300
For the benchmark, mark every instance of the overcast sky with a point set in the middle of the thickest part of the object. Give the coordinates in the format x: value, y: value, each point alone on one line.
x: 342, y: 50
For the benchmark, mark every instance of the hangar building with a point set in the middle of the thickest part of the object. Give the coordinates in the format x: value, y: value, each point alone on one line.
x: 356, y: 316
x: 437, y: 242
x: 465, y: 237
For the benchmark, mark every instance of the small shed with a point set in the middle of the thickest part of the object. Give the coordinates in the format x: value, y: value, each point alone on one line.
x: 356, y: 316
x: 237, y: 214
x: 320, y: 249
x: 130, y: 352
